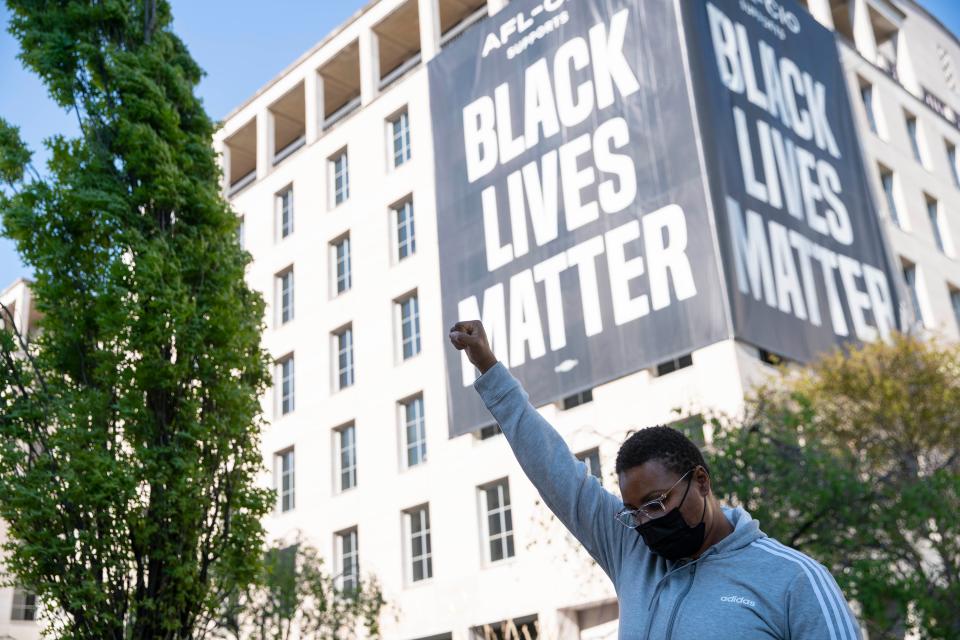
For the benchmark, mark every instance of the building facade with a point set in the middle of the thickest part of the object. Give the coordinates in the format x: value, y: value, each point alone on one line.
x: 337, y: 207
x: 901, y: 64
x: 331, y: 169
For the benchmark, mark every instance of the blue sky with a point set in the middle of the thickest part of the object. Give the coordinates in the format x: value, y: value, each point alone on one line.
x: 241, y: 44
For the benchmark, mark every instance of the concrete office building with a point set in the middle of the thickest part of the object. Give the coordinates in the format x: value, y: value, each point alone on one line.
x: 331, y: 168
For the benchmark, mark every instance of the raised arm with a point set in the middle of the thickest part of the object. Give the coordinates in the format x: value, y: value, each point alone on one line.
x: 567, y: 488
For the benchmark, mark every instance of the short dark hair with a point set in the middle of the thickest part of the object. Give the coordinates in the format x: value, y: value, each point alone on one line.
x: 664, y: 444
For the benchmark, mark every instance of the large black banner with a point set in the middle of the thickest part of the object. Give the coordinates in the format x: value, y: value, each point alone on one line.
x: 571, y: 200
x: 804, y: 257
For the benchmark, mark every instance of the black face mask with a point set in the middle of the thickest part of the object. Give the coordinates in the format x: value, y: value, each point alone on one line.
x: 670, y: 537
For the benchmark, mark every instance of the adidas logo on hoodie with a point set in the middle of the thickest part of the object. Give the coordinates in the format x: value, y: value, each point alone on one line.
x: 738, y: 600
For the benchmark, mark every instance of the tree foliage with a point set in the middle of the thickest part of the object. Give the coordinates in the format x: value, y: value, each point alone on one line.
x: 129, y: 436
x: 856, y: 461
x: 295, y: 597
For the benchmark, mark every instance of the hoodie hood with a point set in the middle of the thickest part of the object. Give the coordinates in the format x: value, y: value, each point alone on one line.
x: 745, y: 531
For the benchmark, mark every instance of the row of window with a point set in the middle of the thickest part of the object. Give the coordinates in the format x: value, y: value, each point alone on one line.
x: 398, y: 143
x: 912, y: 279
x: 413, y: 436
x: 935, y: 214
x: 939, y: 224
x: 339, y: 181
x: 918, y: 144
x: 341, y: 273
x: 496, y: 525
x: 414, y: 452
x: 408, y: 319
x: 407, y: 312
x: 938, y: 221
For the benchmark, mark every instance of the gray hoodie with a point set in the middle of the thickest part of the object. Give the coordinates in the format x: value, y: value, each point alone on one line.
x: 748, y: 585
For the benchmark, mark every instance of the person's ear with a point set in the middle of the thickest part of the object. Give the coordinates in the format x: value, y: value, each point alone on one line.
x: 703, y: 481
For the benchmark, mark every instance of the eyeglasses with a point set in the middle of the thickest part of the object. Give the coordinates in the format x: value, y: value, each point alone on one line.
x: 630, y: 518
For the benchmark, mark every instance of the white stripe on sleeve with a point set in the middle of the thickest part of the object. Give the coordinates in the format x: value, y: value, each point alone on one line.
x: 838, y: 602
x: 831, y: 625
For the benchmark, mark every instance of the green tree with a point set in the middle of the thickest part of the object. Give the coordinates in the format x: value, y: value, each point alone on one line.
x: 294, y: 594
x: 129, y: 429
x: 856, y: 461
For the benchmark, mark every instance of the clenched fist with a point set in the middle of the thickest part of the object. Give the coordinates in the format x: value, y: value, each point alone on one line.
x: 470, y: 335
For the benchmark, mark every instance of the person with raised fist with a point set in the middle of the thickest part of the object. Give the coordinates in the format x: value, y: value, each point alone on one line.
x: 683, y: 565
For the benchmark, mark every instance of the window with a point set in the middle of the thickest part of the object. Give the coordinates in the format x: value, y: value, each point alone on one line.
x: 282, y: 561
x: 340, y: 82
x: 285, y: 295
x: 866, y: 93
x: 525, y: 628
x: 415, y: 432
x: 421, y: 555
x: 346, y: 463
x: 284, y: 213
x: 24, y: 605
x: 340, y: 257
x: 241, y: 158
x: 910, y: 276
x: 285, y: 484
x: 952, y: 160
x: 8, y: 320
x: 692, y: 426
x: 489, y: 432
x: 937, y: 224
x: 498, y: 524
x: 887, y: 51
x: 591, y: 458
x: 669, y: 366
x: 398, y: 42
x: 285, y: 373
x: 457, y: 15
x: 955, y: 303
x: 288, y: 117
x: 339, y: 178
x: 914, y: 133
x: 400, y: 138
x: 771, y: 358
x: 343, y: 340
x: 348, y: 560
x: 886, y: 178
x: 409, y: 326
x: 406, y: 240
x: 577, y: 399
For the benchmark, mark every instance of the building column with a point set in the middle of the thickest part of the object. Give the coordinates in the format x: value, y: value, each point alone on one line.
x: 567, y: 626
x: 26, y: 304
x: 905, y: 72
x: 429, y: 11
x: 312, y: 106
x: 321, y: 105
x: 369, y: 66
x: 223, y: 151
x: 264, y: 143
x: 494, y: 6
x: 820, y: 10
x: 863, y: 35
